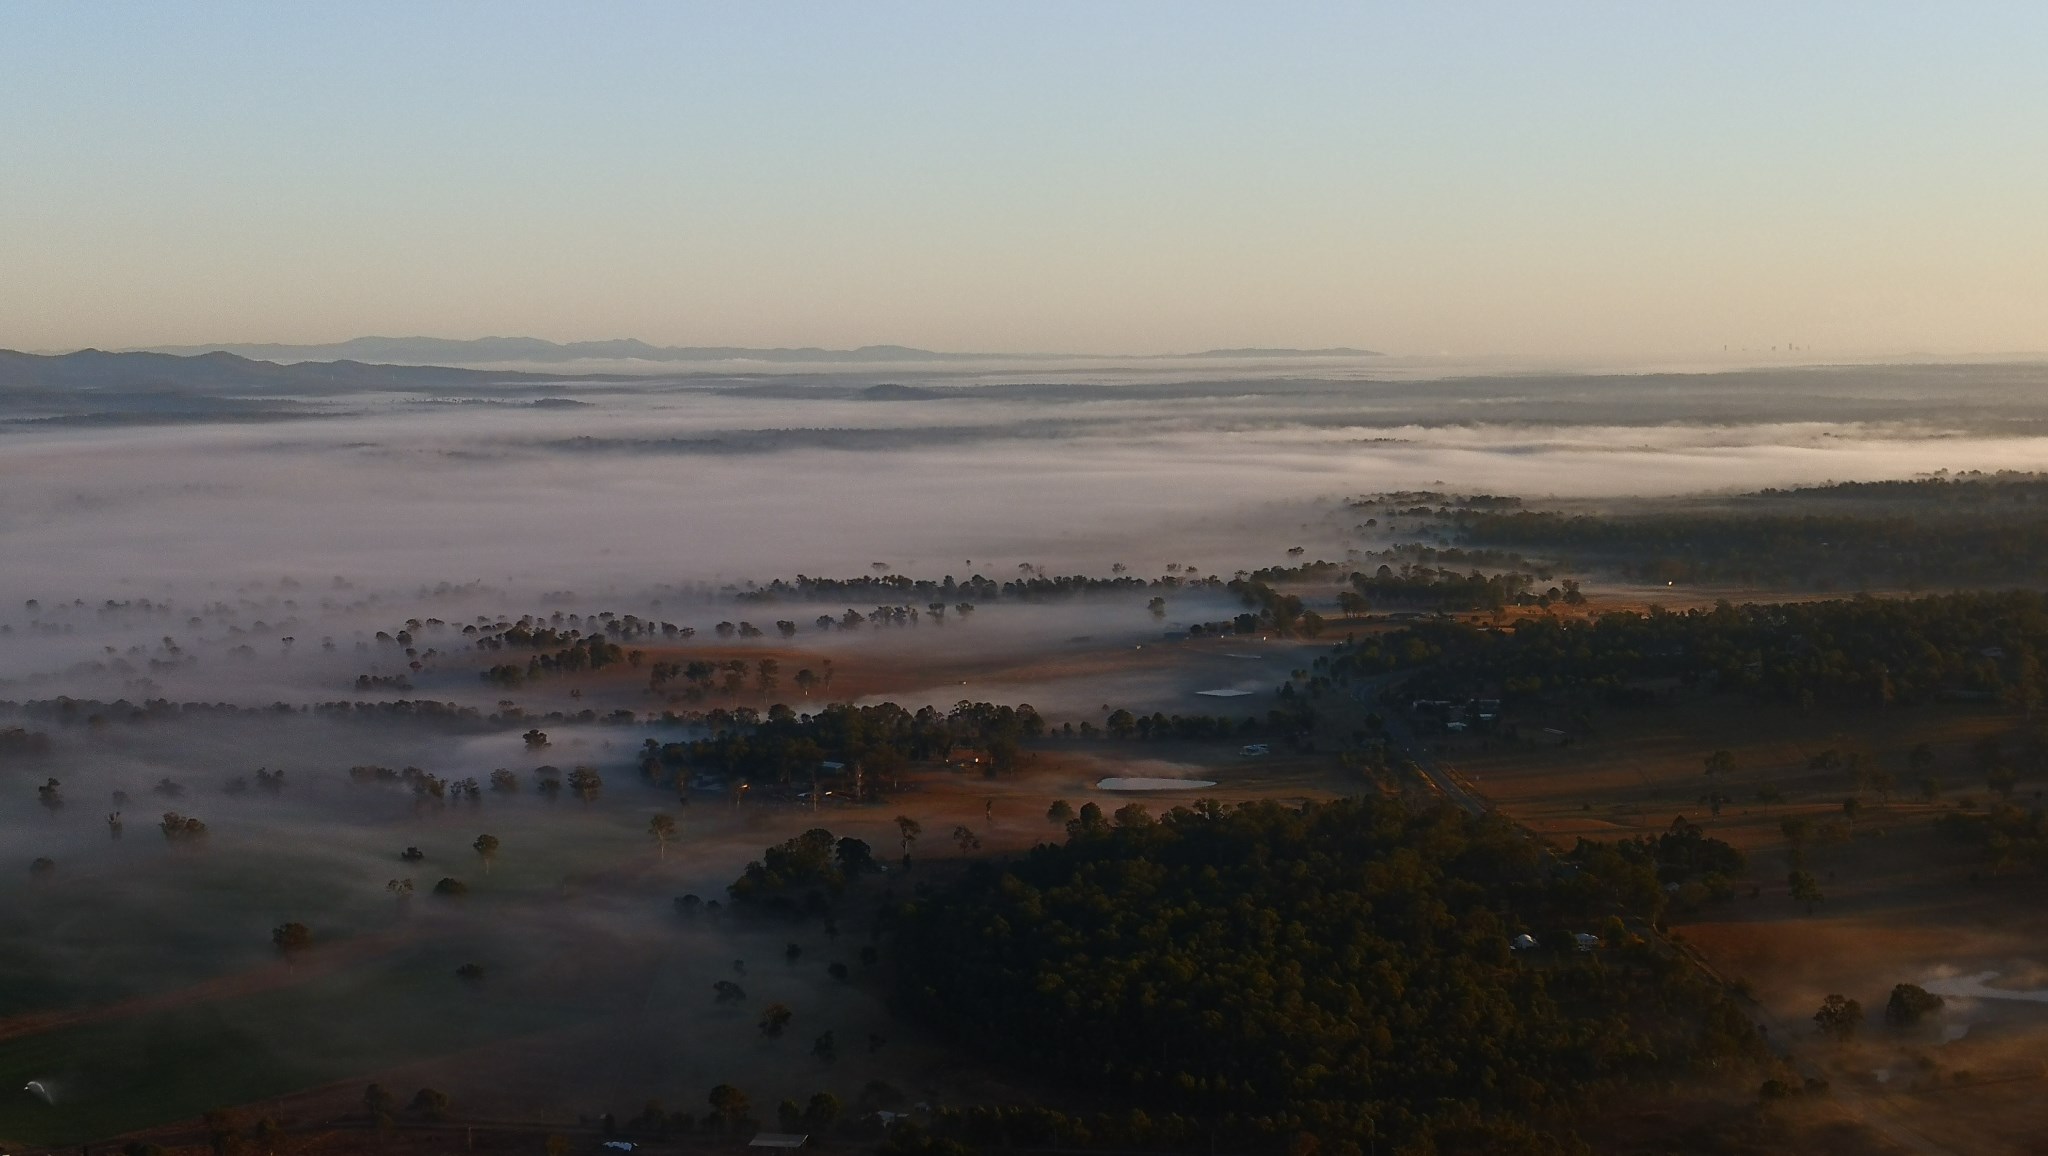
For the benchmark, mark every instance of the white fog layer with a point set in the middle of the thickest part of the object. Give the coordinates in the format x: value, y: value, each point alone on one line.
x: 645, y: 483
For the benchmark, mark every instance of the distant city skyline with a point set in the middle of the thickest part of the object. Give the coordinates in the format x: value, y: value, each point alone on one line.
x: 1585, y: 179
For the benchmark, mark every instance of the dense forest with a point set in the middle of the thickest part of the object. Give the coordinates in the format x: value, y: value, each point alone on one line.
x: 1336, y: 976
x: 1969, y: 530
x: 784, y: 746
x: 1860, y: 651
x: 1445, y: 589
x: 1273, y: 606
x: 1030, y: 585
x: 1971, y: 489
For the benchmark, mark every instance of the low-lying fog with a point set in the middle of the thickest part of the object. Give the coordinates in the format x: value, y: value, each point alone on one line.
x: 643, y: 485
x: 648, y: 497
x: 255, y: 562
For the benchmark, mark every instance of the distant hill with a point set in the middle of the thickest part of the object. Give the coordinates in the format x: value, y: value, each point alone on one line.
x: 217, y: 373
x: 97, y: 372
x: 891, y: 392
x: 535, y: 351
x: 1333, y: 351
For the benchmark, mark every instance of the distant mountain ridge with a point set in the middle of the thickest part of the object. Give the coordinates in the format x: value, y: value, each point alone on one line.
x: 101, y: 387
x: 221, y: 373
x: 225, y: 373
x: 446, y: 351
x: 535, y: 350
x: 1261, y: 351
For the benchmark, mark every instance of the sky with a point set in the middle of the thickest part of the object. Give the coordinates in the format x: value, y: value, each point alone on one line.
x: 1562, y: 179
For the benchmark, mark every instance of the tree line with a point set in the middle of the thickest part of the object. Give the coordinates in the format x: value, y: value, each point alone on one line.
x: 1028, y: 586
x: 782, y: 745
x: 1904, y: 533
x: 1862, y: 652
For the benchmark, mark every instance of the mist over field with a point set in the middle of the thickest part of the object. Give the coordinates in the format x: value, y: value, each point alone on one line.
x: 629, y: 484
x: 348, y: 511
x: 207, y: 575
x: 1143, y: 579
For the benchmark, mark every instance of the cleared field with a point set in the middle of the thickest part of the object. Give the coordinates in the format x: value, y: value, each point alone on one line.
x: 117, y: 1074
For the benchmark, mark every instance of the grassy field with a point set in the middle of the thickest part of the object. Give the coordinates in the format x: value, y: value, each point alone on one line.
x: 115, y: 1076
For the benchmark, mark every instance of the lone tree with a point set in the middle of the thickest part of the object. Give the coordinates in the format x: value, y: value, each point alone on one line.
x: 223, y: 1131
x: 968, y: 840
x: 291, y: 939
x: 1839, y: 1018
x: 774, y: 1018
x: 1910, y: 1003
x: 378, y: 1100
x: 663, y: 828
x: 1805, y: 889
x: 1060, y: 813
x: 728, y: 991
x: 855, y: 857
x: 823, y: 1111
x: 729, y: 1104
x: 269, y: 1134
x: 182, y: 828
x: 1120, y: 724
x: 536, y: 739
x: 431, y: 1103
x: 486, y: 846
x: 908, y: 829
x: 1719, y: 763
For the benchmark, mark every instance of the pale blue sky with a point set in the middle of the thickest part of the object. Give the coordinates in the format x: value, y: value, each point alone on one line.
x: 1577, y: 179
